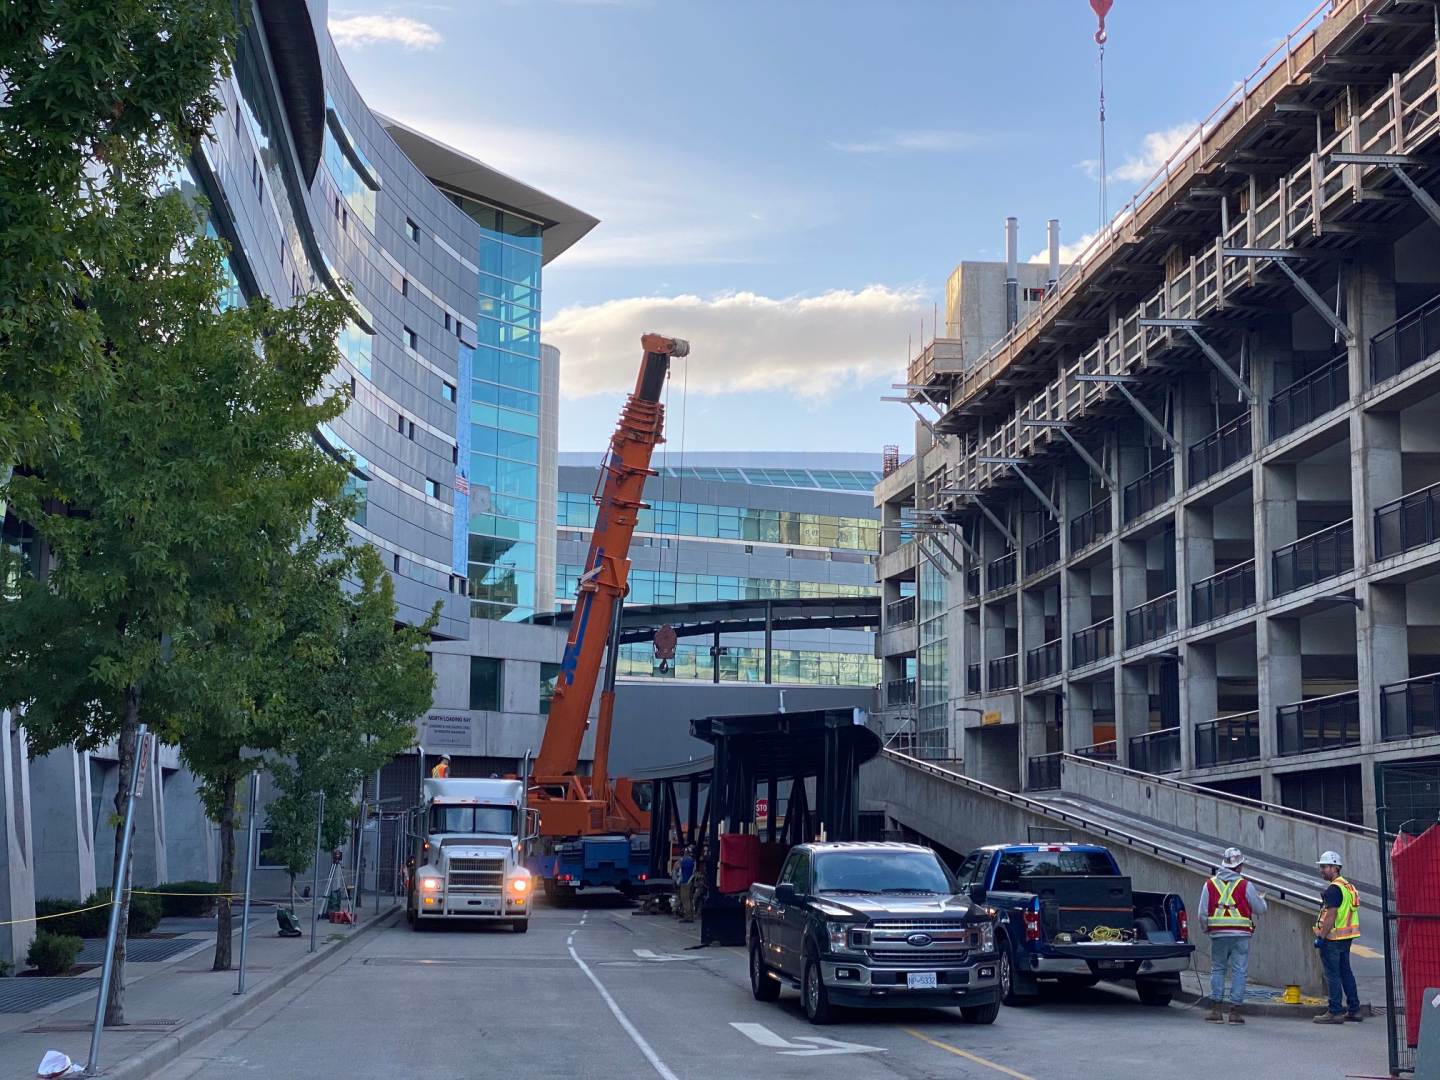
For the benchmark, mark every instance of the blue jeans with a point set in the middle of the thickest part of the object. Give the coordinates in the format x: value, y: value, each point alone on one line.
x: 1232, y: 949
x: 1335, y: 955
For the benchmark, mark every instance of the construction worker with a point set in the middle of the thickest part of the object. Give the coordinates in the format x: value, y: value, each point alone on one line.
x: 1228, y: 905
x: 685, y: 883
x: 442, y: 769
x: 1336, y: 930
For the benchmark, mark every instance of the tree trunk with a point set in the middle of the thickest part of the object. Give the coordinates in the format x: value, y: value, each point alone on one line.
x: 224, y: 927
x: 129, y: 728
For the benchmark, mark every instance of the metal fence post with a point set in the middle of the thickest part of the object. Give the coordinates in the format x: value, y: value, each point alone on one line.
x: 315, y: 889
x: 107, y: 970
x: 249, y: 872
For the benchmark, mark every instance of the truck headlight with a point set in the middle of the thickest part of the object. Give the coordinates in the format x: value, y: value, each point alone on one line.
x: 839, y: 935
x: 430, y: 884
x: 520, y: 885
x: 985, y: 938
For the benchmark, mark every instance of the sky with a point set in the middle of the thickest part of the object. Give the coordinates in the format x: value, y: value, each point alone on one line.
x: 788, y: 183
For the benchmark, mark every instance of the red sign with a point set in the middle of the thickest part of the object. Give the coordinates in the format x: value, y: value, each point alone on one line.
x: 762, y: 809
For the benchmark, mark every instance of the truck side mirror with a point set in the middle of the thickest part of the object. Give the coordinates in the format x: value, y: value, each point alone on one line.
x: 532, y: 825
x: 977, y: 894
x: 785, y: 893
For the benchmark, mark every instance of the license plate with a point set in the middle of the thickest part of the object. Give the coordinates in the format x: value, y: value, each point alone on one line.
x: 1112, y: 965
x: 921, y: 980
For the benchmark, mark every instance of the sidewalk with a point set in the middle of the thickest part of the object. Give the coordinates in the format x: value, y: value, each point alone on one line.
x: 171, y: 1001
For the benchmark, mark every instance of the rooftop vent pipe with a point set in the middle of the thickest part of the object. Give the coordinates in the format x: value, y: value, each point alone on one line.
x: 1012, y: 272
x: 1052, y: 230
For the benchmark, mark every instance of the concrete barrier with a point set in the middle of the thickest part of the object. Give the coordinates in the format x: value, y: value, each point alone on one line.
x: 962, y: 814
x: 1254, y: 827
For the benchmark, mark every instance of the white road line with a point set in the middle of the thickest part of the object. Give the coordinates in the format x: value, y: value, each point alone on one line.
x: 761, y: 1034
x: 639, y: 1040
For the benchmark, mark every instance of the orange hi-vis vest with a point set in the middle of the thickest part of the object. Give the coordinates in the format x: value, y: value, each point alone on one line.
x: 1347, y: 916
x: 441, y: 771
x: 1228, y: 906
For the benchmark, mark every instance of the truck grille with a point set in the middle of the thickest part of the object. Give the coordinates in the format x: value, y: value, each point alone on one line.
x: 476, y: 875
x: 920, y: 957
x: 925, y: 925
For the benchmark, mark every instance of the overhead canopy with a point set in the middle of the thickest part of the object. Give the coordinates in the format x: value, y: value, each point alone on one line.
x: 787, y: 746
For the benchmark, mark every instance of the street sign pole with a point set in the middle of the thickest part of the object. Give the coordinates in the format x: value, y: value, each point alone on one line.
x: 107, y: 970
x: 249, y: 872
x: 315, y: 889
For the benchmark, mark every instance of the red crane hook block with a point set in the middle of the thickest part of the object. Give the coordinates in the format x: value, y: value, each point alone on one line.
x: 1101, y: 9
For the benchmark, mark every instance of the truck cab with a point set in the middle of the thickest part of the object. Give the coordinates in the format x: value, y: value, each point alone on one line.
x: 467, y: 856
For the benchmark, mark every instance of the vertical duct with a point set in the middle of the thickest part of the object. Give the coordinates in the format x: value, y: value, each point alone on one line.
x: 1012, y: 273
x: 1052, y: 230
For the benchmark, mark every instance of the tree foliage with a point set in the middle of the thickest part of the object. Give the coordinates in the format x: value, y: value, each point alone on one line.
x: 99, y: 101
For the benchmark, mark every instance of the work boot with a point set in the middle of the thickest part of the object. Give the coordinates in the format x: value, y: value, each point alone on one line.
x: 1235, y: 1014
x: 1216, y: 1015
x: 1330, y: 1018
x: 1355, y: 1017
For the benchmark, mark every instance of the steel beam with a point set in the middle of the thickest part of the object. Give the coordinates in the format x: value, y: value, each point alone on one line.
x: 920, y: 547
x: 1014, y: 464
x: 949, y: 555
x: 1084, y: 455
x: 959, y: 535
x: 1004, y: 531
x: 1119, y: 382
x: 1396, y: 164
x: 1192, y: 327
x: 1280, y: 257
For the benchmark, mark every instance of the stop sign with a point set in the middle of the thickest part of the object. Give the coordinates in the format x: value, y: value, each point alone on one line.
x: 762, y: 809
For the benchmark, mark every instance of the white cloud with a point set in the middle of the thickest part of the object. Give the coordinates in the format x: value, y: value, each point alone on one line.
x: 804, y: 346
x: 689, y: 212
x: 358, y: 31
x: 1156, y: 148
x: 911, y: 142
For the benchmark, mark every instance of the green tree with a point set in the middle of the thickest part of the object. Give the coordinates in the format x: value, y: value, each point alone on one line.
x: 352, y: 684
x: 100, y: 101
x: 194, y: 470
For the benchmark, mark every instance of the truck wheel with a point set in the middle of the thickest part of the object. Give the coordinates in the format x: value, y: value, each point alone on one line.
x: 521, y: 925
x: 1006, y: 971
x: 1152, y: 993
x: 763, y: 985
x: 419, y: 925
x: 980, y: 1014
x: 816, y: 999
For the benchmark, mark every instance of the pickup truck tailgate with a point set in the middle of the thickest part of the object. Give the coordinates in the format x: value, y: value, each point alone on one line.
x: 1070, y: 902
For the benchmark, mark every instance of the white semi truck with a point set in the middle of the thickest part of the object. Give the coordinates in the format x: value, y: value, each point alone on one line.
x: 467, y: 857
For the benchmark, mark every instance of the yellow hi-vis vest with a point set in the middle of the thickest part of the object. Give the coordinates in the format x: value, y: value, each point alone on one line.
x: 1347, y: 918
x: 1227, y: 914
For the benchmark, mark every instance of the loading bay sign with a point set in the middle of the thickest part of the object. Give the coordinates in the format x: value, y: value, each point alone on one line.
x: 448, y: 729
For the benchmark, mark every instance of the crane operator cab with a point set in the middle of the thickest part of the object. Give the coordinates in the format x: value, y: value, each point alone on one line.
x: 468, y: 842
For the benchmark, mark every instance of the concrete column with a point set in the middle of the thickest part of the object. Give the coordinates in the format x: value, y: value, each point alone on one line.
x: 1130, y: 586
x: 1279, y: 682
x: 17, y: 873
x: 1079, y: 715
x: 1370, y: 306
x: 1199, y: 697
x: 64, y: 844
x: 1132, y: 707
x: 1194, y: 555
x: 1275, y: 520
x: 191, y: 851
x: 1375, y: 474
x: 1383, y: 658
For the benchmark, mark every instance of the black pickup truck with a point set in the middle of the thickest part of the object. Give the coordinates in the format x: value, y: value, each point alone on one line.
x: 1067, y: 914
x: 871, y: 925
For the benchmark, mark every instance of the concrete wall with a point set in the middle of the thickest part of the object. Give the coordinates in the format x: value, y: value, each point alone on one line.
x: 1253, y: 829
x: 963, y: 815
x: 17, y: 872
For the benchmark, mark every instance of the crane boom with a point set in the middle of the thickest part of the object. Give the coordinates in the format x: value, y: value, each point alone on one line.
x: 571, y: 806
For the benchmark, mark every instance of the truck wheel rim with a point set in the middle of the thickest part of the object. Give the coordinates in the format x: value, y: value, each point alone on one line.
x: 812, y: 989
x: 1005, y: 974
x: 755, y: 965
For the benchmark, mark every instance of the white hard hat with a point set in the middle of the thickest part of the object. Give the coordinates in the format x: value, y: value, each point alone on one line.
x: 1232, y: 858
x: 1330, y: 858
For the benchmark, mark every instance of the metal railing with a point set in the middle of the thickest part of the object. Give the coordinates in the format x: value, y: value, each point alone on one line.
x: 900, y: 612
x: 1100, y: 751
x: 972, y: 582
x: 1150, y: 491
x: 1323, y: 723
x: 1224, y: 593
x: 1406, y: 342
x: 1095, y: 642
x: 1150, y: 621
x: 1219, y: 450
x: 1043, y: 552
x: 1156, y: 751
x: 1408, y: 522
x: 1003, y: 673
x: 1090, y: 526
x: 1000, y: 574
x: 900, y: 692
x: 1410, y: 709
x: 1227, y: 740
x: 1044, y: 662
x: 1042, y: 773
x: 1310, y: 397
x: 1327, y: 553
x: 972, y: 679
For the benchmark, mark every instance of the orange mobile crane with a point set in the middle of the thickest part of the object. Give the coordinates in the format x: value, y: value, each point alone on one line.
x: 586, y: 822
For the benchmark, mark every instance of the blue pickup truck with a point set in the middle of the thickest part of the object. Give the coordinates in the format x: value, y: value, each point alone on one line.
x: 1068, y: 915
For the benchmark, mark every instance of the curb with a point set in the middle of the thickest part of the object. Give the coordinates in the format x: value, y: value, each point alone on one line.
x: 1266, y: 1008
x: 151, y: 1060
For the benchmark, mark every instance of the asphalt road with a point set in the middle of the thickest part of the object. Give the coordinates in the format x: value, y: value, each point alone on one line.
x: 596, y: 991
